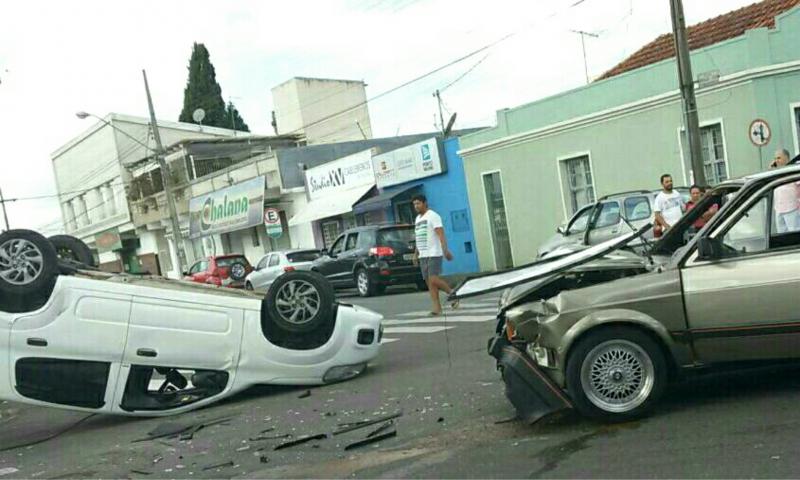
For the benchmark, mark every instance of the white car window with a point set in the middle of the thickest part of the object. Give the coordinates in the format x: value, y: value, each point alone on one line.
x: 637, y: 208
x: 274, y: 260
x: 609, y: 215
x: 579, y: 222
x: 262, y: 264
x: 749, y: 234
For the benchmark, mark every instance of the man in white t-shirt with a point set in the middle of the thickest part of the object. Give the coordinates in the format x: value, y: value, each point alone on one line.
x: 431, y: 247
x: 669, y: 205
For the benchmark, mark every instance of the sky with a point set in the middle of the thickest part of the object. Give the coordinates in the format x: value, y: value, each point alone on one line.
x: 57, y: 58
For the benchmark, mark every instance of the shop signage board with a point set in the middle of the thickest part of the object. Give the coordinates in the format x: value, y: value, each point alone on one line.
x: 409, y: 163
x: 108, y: 241
x: 233, y: 208
x: 339, y: 175
x: 272, y: 221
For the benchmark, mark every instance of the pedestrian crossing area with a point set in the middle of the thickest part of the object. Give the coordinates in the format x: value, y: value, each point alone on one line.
x: 420, y: 322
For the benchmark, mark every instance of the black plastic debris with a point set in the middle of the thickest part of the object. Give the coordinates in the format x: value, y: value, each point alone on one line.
x: 371, y: 440
x: 264, y: 459
x: 270, y: 437
x: 305, y: 394
x: 440, y: 420
x: 381, y: 429
x: 141, y: 472
x: 301, y: 440
x: 183, y: 430
x: 368, y: 423
x: 229, y: 463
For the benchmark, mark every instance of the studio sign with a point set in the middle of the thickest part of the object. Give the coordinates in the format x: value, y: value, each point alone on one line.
x: 337, y: 177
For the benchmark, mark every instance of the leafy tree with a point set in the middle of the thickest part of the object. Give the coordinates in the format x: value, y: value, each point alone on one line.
x: 203, y: 91
x: 235, y: 121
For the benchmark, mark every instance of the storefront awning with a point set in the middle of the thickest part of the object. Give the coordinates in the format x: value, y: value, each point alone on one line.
x: 341, y: 202
x: 384, y: 200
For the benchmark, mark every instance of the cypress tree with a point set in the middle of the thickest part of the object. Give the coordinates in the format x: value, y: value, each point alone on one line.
x: 235, y: 121
x: 203, y: 91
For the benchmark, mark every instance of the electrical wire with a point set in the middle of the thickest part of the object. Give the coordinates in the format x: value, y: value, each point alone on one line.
x: 463, y: 74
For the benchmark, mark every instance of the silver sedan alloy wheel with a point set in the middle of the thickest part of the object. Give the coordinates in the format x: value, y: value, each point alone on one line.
x: 363, y: 282
x: 297, y: 302
x: 21, y: 262
x: 617, y: 376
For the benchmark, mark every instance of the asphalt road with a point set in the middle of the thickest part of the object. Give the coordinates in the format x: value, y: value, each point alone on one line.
x: 436, y: 372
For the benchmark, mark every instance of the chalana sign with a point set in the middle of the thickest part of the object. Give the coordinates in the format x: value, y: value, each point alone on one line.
x: 409, y: 163
x: 343, y: 174
x: 237, y: 207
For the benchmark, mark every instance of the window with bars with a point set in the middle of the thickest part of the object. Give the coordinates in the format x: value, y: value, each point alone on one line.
x: 713, y: 150
x: 577, y: 177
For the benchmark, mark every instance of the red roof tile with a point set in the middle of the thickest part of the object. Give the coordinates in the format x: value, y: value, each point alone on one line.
x: 715, y: 30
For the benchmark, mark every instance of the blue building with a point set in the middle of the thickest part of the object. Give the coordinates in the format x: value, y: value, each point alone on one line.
x: 433, y: 168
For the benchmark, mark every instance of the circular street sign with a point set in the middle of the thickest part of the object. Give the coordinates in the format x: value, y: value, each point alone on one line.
x: 272, y: 220
x: 760, y: 134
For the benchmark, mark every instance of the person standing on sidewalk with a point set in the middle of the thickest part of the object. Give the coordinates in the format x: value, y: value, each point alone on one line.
x: 786, y: 198
x: 431, y: 248
x: 669, y: 206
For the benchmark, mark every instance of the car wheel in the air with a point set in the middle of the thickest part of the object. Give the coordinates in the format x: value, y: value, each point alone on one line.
x: 365, y: 285
x: 28, y: 263
x: 616, y: 374
x: 72, y: 249
x: 299, y: 302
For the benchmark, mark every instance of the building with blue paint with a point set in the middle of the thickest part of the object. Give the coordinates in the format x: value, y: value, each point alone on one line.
x: 433, y: 168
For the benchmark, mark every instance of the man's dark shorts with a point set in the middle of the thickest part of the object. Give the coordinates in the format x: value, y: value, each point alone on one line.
x: 430, y: 266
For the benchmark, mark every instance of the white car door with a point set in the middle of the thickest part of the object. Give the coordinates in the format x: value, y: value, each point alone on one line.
x: 179, y: 332
x: 257, y: 277
x: 68, y: 353
x: 274, y: 268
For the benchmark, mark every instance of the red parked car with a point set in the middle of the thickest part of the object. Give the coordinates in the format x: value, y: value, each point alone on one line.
x: 221, y: 270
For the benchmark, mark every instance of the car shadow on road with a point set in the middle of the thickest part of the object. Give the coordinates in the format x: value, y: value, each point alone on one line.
x: 750, y: 383
x: 353, y: 294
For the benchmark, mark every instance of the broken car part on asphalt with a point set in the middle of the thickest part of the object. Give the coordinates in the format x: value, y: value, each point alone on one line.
x: 368, y: 423
x: 301, y: 440
x: 371, y: 440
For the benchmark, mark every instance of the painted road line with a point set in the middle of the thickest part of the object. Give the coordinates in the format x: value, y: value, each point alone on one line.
x: 449, y: 319
x: 450, y: 312
x: 431, y: 329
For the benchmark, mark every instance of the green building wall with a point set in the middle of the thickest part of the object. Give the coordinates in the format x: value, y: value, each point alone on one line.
x: 630, y: 126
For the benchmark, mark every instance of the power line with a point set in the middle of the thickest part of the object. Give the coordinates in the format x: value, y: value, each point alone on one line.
x: 464, y: 74
x: 432, y: 72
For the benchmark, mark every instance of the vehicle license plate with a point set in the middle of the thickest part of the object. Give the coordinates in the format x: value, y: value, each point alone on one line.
x: 408, y: 256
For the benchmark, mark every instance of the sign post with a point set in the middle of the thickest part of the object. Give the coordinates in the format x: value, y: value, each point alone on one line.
x: 760, y: 134
x: 272, y: 221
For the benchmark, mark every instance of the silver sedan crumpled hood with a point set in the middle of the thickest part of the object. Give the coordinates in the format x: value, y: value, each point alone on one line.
x: 543, y: 269
x: 617, y: 260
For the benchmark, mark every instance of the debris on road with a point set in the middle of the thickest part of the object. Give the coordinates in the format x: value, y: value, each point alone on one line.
x: 264, y: 459
x: 368, y: 423
x: 369, y: 441
x: 270, y: 437
x: 305, y: 394
x: 229, y: 463
x: 301, y: 440
x: 141, y: 472
x: 381, y: 429
x: 185, y: 431
x: 7, y: 471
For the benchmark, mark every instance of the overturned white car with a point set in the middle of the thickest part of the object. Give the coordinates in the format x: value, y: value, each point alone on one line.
x: 73, y: 337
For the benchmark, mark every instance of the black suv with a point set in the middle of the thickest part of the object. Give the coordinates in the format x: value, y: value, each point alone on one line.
x: 371, y: 258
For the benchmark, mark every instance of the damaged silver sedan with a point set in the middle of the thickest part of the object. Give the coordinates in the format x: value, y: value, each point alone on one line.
x: 604, y: 330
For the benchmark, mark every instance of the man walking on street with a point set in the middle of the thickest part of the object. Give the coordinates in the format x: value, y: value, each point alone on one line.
x: 787, y: 198
x: 669, y: 205
x: 431, y: 247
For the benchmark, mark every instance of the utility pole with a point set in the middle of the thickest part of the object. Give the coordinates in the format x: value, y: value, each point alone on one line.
x: 441, y: 115
x: 166, y: 178
x: 583, y: 46
x: 686, y: 81
x: 5, y: 214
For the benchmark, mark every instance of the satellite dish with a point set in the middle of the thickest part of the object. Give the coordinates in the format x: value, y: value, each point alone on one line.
x: 198, y: 115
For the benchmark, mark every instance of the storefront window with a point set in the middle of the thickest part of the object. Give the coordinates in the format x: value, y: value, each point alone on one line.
x: 330, y: 230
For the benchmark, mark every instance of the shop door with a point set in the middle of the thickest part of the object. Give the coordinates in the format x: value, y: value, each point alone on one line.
x: 498, y: 223
x: 330, y: 230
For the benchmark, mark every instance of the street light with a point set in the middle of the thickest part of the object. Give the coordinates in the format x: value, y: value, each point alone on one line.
x: 84, y: 115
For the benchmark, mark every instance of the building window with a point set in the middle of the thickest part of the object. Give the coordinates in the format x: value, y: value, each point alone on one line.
x: 498, y: 221
x: 713, y: 149
x: 579, y: 186
x: 330, y: 230
x: 796, y: 112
